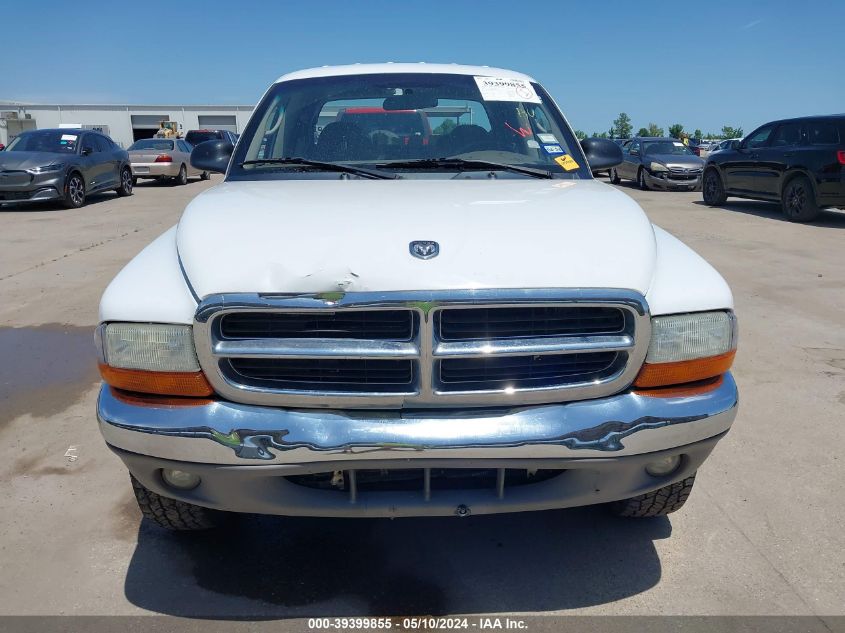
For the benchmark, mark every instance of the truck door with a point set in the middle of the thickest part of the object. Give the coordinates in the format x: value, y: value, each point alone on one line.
x: 776, y: 156
x: 739, y: 168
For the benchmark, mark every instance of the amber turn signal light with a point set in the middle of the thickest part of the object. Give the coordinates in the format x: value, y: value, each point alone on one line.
x: 684, y: 371
x: 168, y: 383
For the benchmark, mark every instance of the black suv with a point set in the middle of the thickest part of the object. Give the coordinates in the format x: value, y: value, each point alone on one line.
x: 799, y: 162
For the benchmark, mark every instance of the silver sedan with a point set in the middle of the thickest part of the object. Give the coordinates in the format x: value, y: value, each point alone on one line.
x: 160, y: 158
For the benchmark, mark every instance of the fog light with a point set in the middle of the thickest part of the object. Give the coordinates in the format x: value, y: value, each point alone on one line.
x: 180, y: 479
x: 663, y: 466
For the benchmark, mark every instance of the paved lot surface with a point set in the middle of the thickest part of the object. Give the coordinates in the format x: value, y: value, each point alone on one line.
x: 762, y: 533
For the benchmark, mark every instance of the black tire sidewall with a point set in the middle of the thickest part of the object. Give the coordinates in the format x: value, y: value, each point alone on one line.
x: 182, y: 178
x: 719, y: 197
x: 809, y: 210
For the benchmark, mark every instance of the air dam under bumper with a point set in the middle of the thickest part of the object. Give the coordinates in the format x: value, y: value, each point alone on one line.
x: 245, y: 452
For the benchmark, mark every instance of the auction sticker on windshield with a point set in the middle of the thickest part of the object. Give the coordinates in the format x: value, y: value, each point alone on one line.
x: 506, y: 89
x: 566, y: 162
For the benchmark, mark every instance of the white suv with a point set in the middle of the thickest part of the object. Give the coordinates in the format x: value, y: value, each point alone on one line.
x: 401, y: 319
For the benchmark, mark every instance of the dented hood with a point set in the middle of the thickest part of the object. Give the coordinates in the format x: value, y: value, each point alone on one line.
x: 301, y: 236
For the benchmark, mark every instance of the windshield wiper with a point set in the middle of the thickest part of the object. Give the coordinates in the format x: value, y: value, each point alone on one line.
x: 465, y: 164
x: 321, y: 165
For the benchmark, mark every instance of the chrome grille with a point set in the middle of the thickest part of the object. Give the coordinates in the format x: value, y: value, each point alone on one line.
x: 522, y: 372
x: 684, y: 173
x: 344, y: 374
x: 498, y: 323
x: 422, y: 349
x: 376, y: 324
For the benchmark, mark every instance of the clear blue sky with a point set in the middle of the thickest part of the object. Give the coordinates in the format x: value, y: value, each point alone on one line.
x: 704, y: 63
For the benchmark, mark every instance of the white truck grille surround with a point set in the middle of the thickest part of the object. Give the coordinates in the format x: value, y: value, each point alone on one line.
x: 474, y: 348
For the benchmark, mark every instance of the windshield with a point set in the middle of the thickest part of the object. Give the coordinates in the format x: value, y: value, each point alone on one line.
x: 195, y: 137
x: 389, y: 121
x: 54, y: 141
x: 668, y: 147
x: 153, y: 144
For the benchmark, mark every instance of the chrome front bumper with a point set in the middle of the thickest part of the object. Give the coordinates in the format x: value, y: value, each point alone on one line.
x: 226, y: 433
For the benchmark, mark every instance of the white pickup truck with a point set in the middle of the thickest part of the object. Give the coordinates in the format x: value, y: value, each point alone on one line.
x: 427, y: 308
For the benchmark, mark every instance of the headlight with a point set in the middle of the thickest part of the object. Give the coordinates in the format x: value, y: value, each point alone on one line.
x: 688, y: 347
x: 47, y: 168
x: 657, y: 167
x: 151, y: 358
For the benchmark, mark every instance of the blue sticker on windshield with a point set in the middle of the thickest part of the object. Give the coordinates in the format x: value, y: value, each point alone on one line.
x: 553, y: 149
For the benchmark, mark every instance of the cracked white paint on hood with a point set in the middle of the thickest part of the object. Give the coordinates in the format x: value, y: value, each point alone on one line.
x: 353, y: 235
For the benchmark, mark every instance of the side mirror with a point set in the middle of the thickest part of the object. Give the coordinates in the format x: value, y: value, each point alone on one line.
x: 601, y: 153
x: 212, y: 156
x: 735, y: 144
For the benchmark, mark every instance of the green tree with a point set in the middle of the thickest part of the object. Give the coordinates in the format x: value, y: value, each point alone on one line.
x: 580, y: 135
x: 731, y: 132
x: 676, y: 130
x: 622, y: 126
x: 598, y: 135
x: 697, y: 134
x: 654, y: 130
x: 642, y: 132
x: 444, y: 128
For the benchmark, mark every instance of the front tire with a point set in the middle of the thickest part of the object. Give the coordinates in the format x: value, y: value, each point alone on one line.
x: 74, y: 197
x: 659, y: 502
x: 614, y: 176
x: 205, y: 175
x: 182, y: 178
x: 712, y: 189
x: 641, y: 181
x: 799, y: 200
x: 127, y: 182
x: 172, y: 514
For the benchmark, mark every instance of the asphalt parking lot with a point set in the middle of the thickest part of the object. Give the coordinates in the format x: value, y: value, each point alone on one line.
x: 762, y: 533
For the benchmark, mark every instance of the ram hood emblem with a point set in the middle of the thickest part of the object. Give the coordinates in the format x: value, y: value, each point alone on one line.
x: 424, y: 249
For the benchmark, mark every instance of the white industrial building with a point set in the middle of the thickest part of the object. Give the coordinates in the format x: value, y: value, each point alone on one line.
x: 125, y: 124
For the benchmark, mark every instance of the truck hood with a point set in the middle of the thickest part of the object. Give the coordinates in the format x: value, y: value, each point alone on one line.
x: 311, y: 236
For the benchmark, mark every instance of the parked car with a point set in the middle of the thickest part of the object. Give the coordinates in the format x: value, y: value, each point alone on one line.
x: 659, y: 163
x: 160, y: 158
x: 65, y: 165
x: 797, y: 162
x: 693, y: 146
x: 195, y: 137
x: 330, y: 332
x: 727, y: 143
x: 706, y: 147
